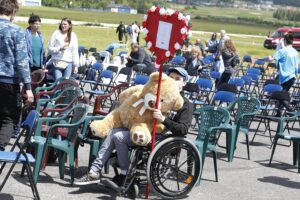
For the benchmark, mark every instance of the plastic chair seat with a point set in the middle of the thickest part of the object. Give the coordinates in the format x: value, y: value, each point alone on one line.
x: 58, y: 144
x: 11, y: 156
x: 210, y: 147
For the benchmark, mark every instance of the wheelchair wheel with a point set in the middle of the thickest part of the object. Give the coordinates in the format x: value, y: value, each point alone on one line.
x: 173, y: 168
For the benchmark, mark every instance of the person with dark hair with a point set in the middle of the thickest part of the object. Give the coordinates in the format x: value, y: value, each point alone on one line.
x: 287, y: 60
x: 138, y: 56
x: 35, y: 44
x: 14, y: 68
x: 212, y: 44
x: 121, y: 30
x: 63, y: 48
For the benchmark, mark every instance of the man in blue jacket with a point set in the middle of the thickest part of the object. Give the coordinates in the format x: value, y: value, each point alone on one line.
x: 13, y: 70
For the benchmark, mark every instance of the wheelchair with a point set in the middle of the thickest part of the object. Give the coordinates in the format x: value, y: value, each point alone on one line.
x: 172, y: 169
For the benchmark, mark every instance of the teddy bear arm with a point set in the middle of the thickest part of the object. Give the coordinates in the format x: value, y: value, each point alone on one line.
x: 101, y: 128
x: 128, y: 92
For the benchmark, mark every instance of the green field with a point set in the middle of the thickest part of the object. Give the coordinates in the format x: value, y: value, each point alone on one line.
x: 101, y: 37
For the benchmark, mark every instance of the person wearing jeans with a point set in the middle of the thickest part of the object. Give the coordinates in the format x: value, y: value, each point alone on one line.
x: 14, y: 68
x: 119, y: 139
x: 63, y: 48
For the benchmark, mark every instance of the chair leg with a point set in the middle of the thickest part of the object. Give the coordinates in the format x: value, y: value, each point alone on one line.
x: 38, y: 162
x: 7, y: 175
x: 71, y: 163
x: 247, y: 142
x: 32, y: 183
x: 295, y: 152
x: 256, y: 131
x: 273, y: 150
x: 215, y: 165
x: 298, y: 143
x: 62, y: 159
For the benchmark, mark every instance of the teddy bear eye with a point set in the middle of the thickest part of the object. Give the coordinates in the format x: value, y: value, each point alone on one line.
x: 161, y: 100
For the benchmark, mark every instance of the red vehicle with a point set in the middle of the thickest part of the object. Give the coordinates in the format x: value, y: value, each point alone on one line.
x: 273, y: 39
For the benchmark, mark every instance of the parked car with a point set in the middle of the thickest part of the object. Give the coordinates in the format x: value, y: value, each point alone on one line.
x: 273, y: 39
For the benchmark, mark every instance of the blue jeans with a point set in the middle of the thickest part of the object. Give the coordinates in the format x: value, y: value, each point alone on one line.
x: 63, y: 72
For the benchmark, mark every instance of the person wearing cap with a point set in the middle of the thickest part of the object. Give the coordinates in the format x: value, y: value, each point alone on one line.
x: 176, y: 123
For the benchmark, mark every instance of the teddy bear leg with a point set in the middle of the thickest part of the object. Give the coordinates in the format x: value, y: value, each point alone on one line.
x: 140, y: 134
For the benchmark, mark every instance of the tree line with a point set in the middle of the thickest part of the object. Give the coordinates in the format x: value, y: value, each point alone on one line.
x: 287, y: 14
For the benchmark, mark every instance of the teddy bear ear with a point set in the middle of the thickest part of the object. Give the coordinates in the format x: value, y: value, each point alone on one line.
x: 155, y: 76
x: 178, y: 103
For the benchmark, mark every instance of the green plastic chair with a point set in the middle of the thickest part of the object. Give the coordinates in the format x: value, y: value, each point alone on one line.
x: 72, y: 121
x: 61, y: 100
x: 211, y: 119
x: 293, y: 137
x: 52, y: 86
x: 243, y: 109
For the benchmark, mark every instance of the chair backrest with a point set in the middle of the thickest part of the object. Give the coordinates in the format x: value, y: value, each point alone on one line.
x: 259, y: 63
x: 148, y: 70
x: 93, y: 49
x: 247, y: 79
x: 208, y: 59
x: 254, y: 76
x: 224, y: 97
x: 228, y: 87
x: 106, y: 74
x: 68, y: 95
x: 210, y: 116
x: 97, y: 66
x: 247, y: 59
x: 77, y: 115
x: 254, y: 70
x: 215, y: 74
x: 30, y: 120
x: 269, y: 88
x: 204, y: 83
x: 238, y: 82
x: 245, y: 105
x: 178, y: 60
x: 112, y: 68
x: 141, y: 79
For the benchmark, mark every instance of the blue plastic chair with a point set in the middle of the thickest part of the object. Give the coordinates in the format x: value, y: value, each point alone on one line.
x: 215, y: 75
x: 102, y: 87
x: 140, y: 79
x: 224, y: 97
x: 178, y: 60
x: 91, y: 75
x: 21, y: 157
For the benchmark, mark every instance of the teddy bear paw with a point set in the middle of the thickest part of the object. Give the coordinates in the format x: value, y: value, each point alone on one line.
x: 139, y: 138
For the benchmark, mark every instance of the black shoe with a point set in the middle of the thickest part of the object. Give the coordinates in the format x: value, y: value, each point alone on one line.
x: 89, y: 178
x: 119, y: 179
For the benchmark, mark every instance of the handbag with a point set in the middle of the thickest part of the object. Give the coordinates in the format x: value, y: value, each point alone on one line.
x: 61, y: 64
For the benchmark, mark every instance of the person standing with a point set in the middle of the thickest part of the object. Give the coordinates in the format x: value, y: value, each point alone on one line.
x: 63, y: 48
x: 135, y: 32
x: 35, y: 44
x: 14, y: 68
x: 121, y: 30
x: 230, y: 59
x: 212, y: 44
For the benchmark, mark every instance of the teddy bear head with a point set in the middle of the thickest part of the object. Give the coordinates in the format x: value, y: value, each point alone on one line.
x: 170, y: 98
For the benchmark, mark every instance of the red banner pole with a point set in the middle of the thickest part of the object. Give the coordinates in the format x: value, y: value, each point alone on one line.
x: 155, y: 121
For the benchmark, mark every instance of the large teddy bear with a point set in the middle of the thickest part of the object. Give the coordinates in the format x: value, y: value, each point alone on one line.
x: 136, y: 109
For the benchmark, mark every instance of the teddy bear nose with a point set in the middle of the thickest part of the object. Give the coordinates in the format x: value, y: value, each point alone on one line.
x: 151, y: 104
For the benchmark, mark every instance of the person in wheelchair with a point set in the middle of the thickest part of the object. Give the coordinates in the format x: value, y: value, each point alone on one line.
x: 119, y: 139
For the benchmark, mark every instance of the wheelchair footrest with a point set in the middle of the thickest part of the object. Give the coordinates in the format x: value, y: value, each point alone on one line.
x: 112, y: 185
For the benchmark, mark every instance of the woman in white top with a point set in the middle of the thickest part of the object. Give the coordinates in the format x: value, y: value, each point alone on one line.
x: 63, y: 48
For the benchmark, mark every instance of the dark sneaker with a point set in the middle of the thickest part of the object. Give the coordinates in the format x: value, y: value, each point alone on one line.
x: 90, y: 178
x: 119, y: 179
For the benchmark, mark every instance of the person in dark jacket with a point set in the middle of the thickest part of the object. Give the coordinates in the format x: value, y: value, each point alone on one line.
x: 119, y: 139
x: 14, y: 68
x: 121, y: 30
x: 229, y: 56
x: 138, y: 55
x: 35, y: 44
x: 196, y: 61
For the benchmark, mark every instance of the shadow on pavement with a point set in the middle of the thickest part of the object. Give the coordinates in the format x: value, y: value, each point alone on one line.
x: 279, y: 165
x: 6, y: 196
x: 280, y: 181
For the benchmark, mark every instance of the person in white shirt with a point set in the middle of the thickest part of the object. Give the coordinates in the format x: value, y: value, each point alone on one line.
x: 135, y: 32
x: 63, y: 48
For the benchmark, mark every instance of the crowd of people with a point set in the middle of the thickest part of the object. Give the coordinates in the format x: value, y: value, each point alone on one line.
x: 129, y: 32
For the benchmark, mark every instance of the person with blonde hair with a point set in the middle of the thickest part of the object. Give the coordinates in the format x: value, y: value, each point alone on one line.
x: 195, y: 61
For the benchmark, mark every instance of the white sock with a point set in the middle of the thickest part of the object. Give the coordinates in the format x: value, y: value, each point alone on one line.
x: 93, y: 174
x: 123, y: 172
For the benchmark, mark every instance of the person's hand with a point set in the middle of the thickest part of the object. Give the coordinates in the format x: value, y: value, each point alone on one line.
x: 128, y: 58
x: 30, y: 97
x: 158, y: 115
x: 75, y: 70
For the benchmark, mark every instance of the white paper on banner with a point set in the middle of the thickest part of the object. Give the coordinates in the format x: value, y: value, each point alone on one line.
x: 163, y: 35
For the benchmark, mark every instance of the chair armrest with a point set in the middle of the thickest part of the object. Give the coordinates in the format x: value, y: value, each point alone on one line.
x: 86, y: 123
x: 221, y: 127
